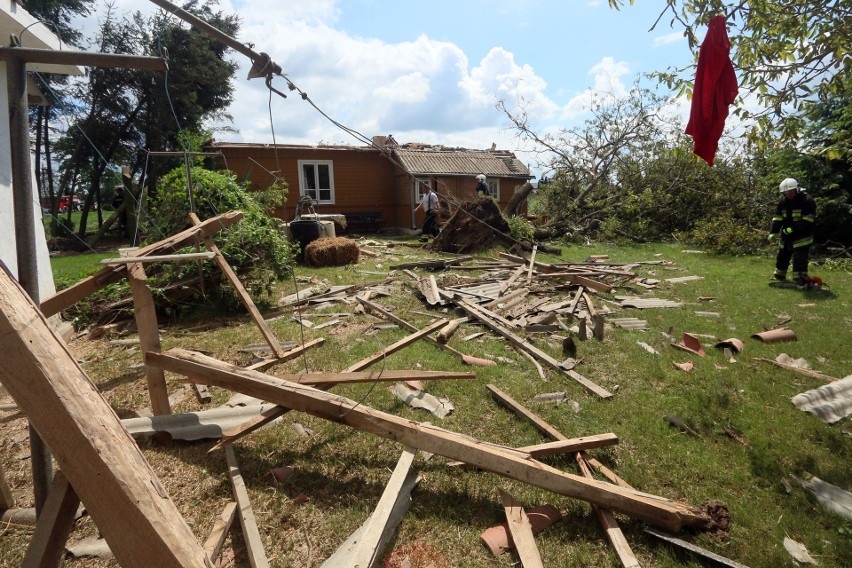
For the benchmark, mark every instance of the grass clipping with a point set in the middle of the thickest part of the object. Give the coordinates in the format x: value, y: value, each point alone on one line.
x: 331, y: 251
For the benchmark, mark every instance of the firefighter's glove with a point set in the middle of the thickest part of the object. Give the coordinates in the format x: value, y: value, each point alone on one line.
x: 788, y: 230
x: 771, y: 236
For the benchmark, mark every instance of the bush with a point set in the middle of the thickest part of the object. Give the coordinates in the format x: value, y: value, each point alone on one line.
x: 521, y: 229
x: 255, y: 247
x: 724, y: 234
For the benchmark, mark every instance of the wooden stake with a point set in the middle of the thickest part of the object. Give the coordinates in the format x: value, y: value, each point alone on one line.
x: 54, y: 525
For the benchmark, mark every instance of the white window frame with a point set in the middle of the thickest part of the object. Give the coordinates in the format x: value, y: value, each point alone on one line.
x: 316, y: 193
x: 494, y: 189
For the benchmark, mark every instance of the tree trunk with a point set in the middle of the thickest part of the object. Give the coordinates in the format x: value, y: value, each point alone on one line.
x: 517, y: 199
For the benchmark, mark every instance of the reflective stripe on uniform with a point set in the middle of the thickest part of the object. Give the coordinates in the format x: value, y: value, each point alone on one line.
x: 803, y: 242
x: 778, y: 218
x: 808, y: 218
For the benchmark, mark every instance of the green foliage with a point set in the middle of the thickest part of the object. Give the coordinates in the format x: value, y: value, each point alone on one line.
x: 520, y: 228
x: 725, y: 234
x: 254, y: 247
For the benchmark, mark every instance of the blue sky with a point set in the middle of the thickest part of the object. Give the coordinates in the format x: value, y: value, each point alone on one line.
x: 432, y: 72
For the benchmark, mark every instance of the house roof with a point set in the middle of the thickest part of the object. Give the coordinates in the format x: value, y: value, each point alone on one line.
x: 32, y: 33
x: 462, y: 162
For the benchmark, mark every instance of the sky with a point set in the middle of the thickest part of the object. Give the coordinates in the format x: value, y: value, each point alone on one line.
x: 432, y: 72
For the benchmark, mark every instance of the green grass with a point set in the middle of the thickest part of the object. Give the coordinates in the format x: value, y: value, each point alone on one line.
x: 343, y: 472
x: 71, y: 268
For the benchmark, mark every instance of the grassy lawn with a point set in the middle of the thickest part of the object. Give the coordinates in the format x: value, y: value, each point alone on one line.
x: 750, y: 442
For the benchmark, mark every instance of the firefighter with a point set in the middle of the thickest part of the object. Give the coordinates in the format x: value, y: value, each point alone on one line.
x: 794, y: 222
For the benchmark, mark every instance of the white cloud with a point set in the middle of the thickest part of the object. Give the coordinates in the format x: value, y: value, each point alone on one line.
x: 668, y: 39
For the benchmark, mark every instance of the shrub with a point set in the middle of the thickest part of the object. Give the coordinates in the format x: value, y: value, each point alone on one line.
x: 724, y: 234
x: 521, y: 229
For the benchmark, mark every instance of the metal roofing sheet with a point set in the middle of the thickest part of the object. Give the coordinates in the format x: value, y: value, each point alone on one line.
x: 462, y: 162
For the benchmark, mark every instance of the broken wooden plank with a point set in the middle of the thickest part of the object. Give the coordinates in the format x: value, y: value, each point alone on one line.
x: 448, y: 330
x: 248, y: 522
x: 219, y: 532
x: 240, y: 290
x: 159, y: 258
x: 469, y: 359
x: 521, y: 531
x: 427, y: 437
x: 404, y: 342
x: 476, y: 312
x: 578, y: 279
x: 610, y: 526
x: 341, y: 557
x: 367, y: 550
x: 521, y: 411
x: 288, y: 355
x: 532, y: 266
x: 695, y: 549
x: 99, y: 458
x: 54, y: 525
x: 571, y: 445
x: 73, y: 294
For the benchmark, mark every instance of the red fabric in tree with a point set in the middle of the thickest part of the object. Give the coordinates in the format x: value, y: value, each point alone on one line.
x: 715, y: 88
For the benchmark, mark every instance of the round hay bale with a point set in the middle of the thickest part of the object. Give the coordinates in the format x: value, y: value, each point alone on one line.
x: 331, y: 251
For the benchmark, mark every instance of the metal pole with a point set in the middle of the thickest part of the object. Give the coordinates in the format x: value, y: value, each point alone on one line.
x: 22, y: 196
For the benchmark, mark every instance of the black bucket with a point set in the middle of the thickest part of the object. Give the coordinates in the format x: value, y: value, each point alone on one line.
x: 304, y: 232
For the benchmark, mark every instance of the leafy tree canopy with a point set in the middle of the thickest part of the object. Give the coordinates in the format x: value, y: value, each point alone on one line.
x: 791, y: 54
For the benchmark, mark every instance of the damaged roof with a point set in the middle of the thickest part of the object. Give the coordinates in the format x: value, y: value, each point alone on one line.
x: 450, y: 161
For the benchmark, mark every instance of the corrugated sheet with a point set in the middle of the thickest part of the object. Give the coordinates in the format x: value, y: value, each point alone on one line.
x: 462, y: 162
x: 830, y: 403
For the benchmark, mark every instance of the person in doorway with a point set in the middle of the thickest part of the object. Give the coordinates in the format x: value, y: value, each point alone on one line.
x: 429, y: 205
x: 794, y: 223
x: 481, y: 186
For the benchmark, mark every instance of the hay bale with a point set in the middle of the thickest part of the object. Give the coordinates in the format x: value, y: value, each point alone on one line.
x: 331, y: 251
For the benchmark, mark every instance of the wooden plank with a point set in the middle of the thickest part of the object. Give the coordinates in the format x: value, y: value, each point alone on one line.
x: 521, y: 531
x: 251, y: 534
x: 367, y: 551
x: 610, y: 526
x: 55, y: 522
x: 73, y: 294
x: 695, y: 549
x: 149, y: 337
x: 571, y: 445
x: 470, y: 360
x: 341, y: 557
x: 578, y: 279
x: 219, y: 532
x: 160, y: 258
x: 523, y: 412
x: 404, y: 342
x: 448, y: 330
x: 508, y: 283
x: 288, y: 355
x: 99, y: 458
x: 532, y: 266
x: 477, y: 313
x: 241, y: 291
x: 427, y: 437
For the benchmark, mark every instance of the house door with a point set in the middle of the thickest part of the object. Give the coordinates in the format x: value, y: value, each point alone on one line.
x: 416, y: 189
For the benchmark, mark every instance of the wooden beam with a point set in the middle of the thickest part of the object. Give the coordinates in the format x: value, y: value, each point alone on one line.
x: 577, y: 279
x: 367, y: 551
x: 477, y: 313
x: 219, y: 532
x: 251, y: 534
x: 99, y: 458
x: 73, y: 294
x: 521, y: 531
x: 84, y: 58
x: 288, y: 355
x: 54, y: 525
x: 229, y: 273
x: 521, y: 411
x: 149, y: 337
x: 404, y: 342
x: 503, y: 461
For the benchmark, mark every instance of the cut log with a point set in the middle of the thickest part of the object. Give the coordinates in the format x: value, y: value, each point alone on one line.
x: 99, y: 458
x: 429, y: 438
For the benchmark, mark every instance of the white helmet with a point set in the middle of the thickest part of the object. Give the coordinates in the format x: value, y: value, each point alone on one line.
x: 481, y: 177
x: 789, y: 184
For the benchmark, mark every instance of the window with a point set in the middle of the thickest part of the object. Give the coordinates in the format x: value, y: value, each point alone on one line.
x: 316, y: 180
x: 494, y: 189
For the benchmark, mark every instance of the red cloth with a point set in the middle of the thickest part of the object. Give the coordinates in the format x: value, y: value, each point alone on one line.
x: 715, y: 88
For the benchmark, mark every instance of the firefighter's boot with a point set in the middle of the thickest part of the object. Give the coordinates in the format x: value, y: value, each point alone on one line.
x: 780, y: 275
x: 802, y: 281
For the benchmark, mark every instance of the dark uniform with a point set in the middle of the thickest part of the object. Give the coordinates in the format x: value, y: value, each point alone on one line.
x: 794, y: 220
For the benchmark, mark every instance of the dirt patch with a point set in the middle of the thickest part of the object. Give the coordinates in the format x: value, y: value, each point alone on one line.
x: 720, y: 519
x: 415, y: 555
